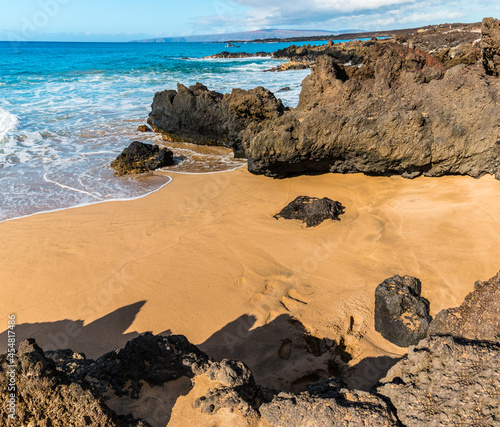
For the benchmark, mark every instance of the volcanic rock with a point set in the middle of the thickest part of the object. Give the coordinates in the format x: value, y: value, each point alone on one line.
x: 478, y: 318
x: 446, y: 381
x: 200, y: 116
x: 328, y: 403
x: 311, y: 210
x: 46, y: 396
x: 490, y: 45
x: 139, y: 157
x: 401, y: 314
x: 401, y: 112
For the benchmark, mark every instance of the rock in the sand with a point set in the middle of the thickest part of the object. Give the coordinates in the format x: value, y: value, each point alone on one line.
x: 328, y: 404
x: 490, y: 45
x: 446, y: 381
x: 478, y: 318
x: 311, y: 210
x: 144, y: 128
x: 47, y: 396
x: 139, y: 157
x: 401, y: 314
x: 205, y: 117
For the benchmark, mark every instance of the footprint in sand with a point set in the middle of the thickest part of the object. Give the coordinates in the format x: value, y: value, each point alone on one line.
x: 285, y: 350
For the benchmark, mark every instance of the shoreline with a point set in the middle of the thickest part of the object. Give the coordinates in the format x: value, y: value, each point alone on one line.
x: 207, y: 260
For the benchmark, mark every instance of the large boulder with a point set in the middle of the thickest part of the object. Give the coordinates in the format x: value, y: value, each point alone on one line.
x: 401, y: 314
x: 490, y: 45
x: 139, y: 157
x: 478, y: 318
x: 446, y: 381
x: 205, y: 117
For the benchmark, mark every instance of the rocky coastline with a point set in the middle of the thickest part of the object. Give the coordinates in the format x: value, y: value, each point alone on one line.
x: 451, y: 377
x: 378, y: 107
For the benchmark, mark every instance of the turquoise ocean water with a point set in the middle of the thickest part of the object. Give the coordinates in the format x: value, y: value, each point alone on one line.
x: 68, y: 109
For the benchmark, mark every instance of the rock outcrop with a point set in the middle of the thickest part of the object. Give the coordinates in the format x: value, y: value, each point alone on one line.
x: 478, y: 318
x: 47, y: 396
x: 311, y: 210
x: 490, y: 46
x: 200, y: 116
x: 400, y: 113
x: 446, y: 381
x: 401, y: 314
x: 393, y: 110
x: 328, y: 403
x: 139, y: 157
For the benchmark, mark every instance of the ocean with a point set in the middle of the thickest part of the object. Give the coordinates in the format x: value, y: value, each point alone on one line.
x: 68, y: 109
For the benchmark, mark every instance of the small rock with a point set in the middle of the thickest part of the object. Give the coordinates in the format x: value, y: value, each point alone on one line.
x: 401, y: 314
x: 144, y: 128
x: 284, y: 89
x: 312, y: 210
x: 139, y: 157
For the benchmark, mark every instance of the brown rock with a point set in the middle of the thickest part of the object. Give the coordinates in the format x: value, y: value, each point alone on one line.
x: 490, y: 45
x: 478, y: 318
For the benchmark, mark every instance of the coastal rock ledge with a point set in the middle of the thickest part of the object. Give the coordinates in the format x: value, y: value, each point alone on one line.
x: 400, y: 112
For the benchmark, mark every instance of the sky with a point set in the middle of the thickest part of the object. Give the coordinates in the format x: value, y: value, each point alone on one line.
x: 126, y: 20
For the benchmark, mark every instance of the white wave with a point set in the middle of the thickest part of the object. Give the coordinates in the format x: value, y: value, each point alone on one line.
x: 8, y: 122
x: 67, y: 187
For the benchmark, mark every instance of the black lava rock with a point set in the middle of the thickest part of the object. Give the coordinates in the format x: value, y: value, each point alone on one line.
x: 401, y: 314
x: 139, y: 157
x: 311, y: 210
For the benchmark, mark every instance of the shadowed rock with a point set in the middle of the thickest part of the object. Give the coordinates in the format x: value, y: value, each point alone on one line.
x: 139, y: 157
x: 312, y: 210
x: 401, y: 314
x: 46, y: 396
x: 478, y: 318
x: 490, y: 45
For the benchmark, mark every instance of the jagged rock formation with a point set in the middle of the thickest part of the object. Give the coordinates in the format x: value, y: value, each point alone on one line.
x: 311, y: 210
x: 478, y: 318
x: 47, y: 396
x: 401, y: 314
x: 139, y: 157
x: 328, y: 403
x: 490, y: 45
x: 401, y: 112
x: 200, y: 116
x: 446, y: 381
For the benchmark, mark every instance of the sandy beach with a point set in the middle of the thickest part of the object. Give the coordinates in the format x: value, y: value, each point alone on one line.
x: 205, y: 258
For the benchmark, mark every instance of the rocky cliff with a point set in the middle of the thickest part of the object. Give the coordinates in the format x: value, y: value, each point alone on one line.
x: 400, y: 110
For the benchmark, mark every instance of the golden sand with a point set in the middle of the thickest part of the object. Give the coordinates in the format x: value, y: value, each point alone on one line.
x: 204, y: 257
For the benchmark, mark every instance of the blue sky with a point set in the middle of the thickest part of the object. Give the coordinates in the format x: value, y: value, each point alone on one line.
x: 124, y: 20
